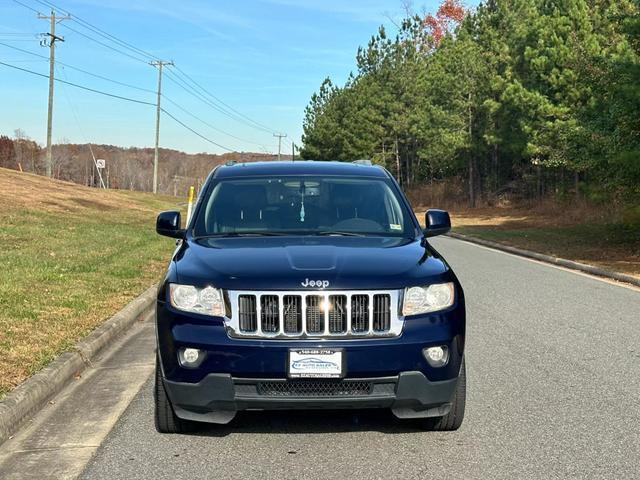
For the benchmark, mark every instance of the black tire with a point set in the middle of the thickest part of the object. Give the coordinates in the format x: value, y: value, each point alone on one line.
x: 165, y: 418
x: 452, y: 420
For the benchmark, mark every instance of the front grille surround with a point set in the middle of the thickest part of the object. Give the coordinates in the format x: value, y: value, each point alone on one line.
x: 314, y: 314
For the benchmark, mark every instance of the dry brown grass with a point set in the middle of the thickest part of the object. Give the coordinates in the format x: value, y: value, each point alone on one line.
x: 27, y: 190
x: 579, y: 232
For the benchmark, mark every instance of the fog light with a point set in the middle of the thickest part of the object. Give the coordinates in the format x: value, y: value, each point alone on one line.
x: 190, y: 355
x: 436, y: 356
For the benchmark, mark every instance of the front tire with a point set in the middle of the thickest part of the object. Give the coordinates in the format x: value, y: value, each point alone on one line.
x: 452, y: 420
x: 166, y: 420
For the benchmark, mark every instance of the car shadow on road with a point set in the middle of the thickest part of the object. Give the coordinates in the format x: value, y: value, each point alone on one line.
x: 310, y: 422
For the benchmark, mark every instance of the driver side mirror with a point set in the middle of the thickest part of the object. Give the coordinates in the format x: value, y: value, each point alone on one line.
x: 437, y: 222
x: 168, y: 224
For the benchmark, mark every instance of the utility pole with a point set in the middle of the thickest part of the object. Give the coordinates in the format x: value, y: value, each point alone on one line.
x: 280, y: 137
x: 159, y: 64
x: 293, y: 152
x: 52, y: 61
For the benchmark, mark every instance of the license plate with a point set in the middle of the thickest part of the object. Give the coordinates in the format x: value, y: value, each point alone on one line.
x: 316, y: 363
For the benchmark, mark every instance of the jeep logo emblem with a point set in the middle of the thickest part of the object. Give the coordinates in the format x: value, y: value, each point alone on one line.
x: 315, y: 283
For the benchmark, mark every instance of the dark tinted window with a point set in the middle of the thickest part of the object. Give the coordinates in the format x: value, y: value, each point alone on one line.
x: 303, y: 204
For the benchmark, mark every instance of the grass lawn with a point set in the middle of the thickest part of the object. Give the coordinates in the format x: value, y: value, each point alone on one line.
x: 571, y: 235
x: 71, y: 257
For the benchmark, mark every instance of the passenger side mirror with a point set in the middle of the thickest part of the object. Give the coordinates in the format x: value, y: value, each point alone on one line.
x: 168, y: 224
x: 437, y: 222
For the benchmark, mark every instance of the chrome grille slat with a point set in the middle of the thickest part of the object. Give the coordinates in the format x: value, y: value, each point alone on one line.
x: 259, y: 315
x: 370, y: 314
x: 280, y: 315
x: 270, y: 313
x: 314, y: 314
x: 360, y: 313
x: 381, y: 313
x: 247, y: 312
x: 292, y: 313
x: 326, y: 310
x: 337, y: 313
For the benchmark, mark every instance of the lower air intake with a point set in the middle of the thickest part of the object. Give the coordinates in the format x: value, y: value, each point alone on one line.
x: 320, y: 388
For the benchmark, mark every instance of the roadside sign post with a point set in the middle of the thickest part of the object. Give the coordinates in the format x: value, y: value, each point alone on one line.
x: 101, y: 164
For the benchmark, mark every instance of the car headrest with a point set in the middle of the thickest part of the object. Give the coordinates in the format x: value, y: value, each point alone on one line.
x: 250, y: 197
x: 346, y: 197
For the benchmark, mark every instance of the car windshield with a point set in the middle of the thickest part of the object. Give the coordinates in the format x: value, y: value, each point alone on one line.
x: 305, y: 205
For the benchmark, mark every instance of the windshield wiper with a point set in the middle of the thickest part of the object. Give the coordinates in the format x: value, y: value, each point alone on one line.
x: 340, y: 233
x: 327, y: 233
x: 243, y: 234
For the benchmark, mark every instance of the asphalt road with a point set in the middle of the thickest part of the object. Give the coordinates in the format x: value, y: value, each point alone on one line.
x: 553, y: 365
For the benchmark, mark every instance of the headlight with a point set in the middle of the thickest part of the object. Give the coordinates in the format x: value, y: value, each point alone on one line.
x: 208, y: 300
x: 428, y: 299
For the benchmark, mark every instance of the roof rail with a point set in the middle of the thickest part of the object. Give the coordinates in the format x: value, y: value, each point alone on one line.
x: 363, y: 162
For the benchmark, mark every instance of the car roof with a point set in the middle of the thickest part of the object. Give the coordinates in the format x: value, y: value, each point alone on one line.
x: 301, y: 167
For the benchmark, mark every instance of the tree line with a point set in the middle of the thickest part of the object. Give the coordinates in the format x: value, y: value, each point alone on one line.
x: 525, y: 97
x: 126, y: 168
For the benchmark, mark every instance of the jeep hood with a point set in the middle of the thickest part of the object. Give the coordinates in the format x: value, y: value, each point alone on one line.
x: 285, y: 263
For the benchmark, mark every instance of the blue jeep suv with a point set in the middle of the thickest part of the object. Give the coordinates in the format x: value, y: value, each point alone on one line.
x: 307, y: 285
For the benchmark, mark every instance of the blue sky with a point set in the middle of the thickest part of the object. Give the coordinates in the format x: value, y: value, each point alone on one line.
x: 264, y: 58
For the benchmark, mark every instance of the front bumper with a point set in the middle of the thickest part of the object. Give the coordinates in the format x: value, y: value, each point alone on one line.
x: 267, y: 359
x: 217, y: 397
x: 234, y: 371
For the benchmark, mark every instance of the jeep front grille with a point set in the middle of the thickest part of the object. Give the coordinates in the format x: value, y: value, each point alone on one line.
x: 315, y: 314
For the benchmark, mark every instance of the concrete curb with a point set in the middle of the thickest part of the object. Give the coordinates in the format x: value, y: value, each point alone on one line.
x: 32, y: 395
x: 582, y: 267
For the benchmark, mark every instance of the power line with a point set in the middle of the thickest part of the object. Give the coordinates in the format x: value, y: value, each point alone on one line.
x: 86, y: 72
x: 89, y: 89
x: 117, y: 82
x: 204, y: 122
x: 181, y: 78
x: 180, y: 122
x: 95, y: 30
x: 196, y: 133
x: 99, y: 31
x: 26, y: 6
x: 144, y: 53
x: 137, y: 59
x: 25, y: 51
x: 192, y: 91
x: 257, y: 124
x: 22, y: 60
